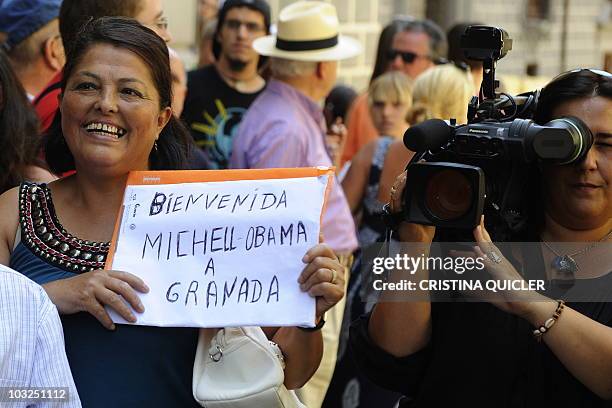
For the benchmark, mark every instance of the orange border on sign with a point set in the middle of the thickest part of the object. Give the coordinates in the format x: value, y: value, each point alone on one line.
x: 142, y: 178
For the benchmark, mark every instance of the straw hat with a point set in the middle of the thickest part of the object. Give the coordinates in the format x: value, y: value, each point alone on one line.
x: 308, y: 31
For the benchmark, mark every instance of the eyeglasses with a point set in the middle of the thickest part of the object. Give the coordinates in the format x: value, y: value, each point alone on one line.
x: 407, y: 56
x: 600, y: 72
x: 162, y: 23
x: 235, y: 25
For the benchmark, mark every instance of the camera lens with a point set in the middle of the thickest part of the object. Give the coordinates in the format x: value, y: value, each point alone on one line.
x: 448, y: 194
x: 562, y: 141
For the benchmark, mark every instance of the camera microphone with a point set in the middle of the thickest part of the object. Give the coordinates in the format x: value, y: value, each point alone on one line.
x: 428, y: 135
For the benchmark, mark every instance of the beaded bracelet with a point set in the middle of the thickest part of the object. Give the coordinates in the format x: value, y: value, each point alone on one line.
x: 539, y: 332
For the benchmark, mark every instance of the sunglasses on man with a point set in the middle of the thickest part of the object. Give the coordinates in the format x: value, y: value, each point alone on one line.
x: 407, y: 56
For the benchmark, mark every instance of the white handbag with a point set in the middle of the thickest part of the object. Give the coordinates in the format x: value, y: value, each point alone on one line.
x: 239, y: 367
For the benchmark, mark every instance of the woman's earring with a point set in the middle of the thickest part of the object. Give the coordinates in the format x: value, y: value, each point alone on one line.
x: 155, y: 145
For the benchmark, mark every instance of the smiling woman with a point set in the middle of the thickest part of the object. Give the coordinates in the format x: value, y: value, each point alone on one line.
x: 109, y: 113
x: 114, y: 108
x: 117, y: 83
x: 116, y: 117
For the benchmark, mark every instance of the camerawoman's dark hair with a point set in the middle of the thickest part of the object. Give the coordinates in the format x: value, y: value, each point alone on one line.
x: 19, y: 128
x: 568, y: 87
x: 174, y: 140
x: 571, y: 86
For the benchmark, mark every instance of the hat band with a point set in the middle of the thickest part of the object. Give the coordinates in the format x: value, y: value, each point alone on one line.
x: 289, y: 45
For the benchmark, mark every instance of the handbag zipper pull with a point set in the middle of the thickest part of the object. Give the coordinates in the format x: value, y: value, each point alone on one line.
x: 216, y: 356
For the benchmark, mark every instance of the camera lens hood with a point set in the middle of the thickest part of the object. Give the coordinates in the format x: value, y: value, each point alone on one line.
x: 563, y: 140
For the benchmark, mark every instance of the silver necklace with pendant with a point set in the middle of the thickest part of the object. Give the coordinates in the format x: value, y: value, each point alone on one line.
x: 566, y: 265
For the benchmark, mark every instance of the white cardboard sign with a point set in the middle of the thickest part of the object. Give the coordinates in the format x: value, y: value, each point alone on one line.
x: 221, y: 253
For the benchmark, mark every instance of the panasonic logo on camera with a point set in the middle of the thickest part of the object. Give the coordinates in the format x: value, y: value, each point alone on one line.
x: 481, y: 131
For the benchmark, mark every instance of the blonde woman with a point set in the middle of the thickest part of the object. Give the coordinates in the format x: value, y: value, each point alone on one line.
x: 390, y: 102
x: 442, y: 92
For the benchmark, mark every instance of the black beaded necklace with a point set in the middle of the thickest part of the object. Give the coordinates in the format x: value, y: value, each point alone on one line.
x: 44, y: 235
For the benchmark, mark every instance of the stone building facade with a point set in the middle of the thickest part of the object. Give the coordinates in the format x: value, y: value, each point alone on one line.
x: 549, y: 35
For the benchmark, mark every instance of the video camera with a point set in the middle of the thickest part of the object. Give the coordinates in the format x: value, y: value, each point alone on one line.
x: 460, y: 172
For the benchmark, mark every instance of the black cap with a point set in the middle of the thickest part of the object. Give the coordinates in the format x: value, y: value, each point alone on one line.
x: 258, y: 5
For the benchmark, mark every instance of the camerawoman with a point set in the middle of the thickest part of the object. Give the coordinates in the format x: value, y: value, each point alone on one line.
x: 535, y: 350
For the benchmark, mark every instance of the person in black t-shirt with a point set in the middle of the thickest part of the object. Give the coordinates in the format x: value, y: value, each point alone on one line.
x: 218, y: 95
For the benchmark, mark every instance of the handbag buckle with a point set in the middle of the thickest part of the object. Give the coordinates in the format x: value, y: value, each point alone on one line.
x: 217, y: 356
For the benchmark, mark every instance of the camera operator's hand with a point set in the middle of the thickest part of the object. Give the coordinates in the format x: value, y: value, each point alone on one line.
x: 517, y: 302
x: 408, y: 232
x: 398, y: 326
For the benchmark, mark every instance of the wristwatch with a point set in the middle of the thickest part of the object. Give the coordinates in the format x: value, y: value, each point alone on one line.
x: 318, y: 327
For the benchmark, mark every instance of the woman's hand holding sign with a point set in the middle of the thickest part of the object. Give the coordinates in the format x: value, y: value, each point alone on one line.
x: 92, y: 291
x: 323, y: 277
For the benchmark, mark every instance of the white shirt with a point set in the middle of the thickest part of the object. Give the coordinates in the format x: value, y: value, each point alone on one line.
x: 32, y: 350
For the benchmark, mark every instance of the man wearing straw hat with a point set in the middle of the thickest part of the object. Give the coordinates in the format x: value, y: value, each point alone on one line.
x: 285, y: 127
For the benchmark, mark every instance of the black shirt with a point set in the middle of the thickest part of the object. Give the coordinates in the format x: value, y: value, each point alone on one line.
x: 480, y: 356
x: 213, y: 110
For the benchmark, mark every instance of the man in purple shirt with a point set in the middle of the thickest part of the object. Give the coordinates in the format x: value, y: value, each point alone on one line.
x: 285, y: 127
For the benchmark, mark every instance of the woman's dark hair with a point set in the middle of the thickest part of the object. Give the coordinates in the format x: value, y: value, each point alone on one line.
x: 567, y: 87
x: 338, y: 102
x: 174, y: 141
x: 19, y: 128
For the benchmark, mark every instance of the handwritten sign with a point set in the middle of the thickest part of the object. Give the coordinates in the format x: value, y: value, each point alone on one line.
x: 220, y: 248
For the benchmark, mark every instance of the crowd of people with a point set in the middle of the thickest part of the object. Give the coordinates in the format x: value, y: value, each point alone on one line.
x: 90, y: 90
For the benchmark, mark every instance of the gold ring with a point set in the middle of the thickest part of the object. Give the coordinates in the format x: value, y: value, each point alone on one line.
x: 333, y: 277
x: 393, y: 191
